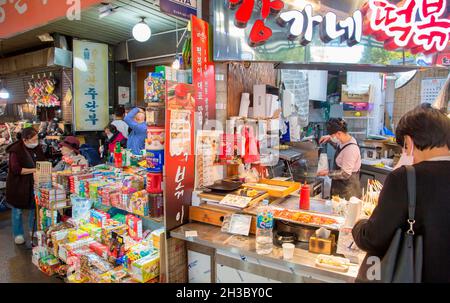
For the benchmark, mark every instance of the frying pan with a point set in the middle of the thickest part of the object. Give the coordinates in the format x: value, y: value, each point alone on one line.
x: 224, y: 186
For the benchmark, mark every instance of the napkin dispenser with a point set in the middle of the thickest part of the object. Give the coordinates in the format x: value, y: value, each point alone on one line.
x: 324, y: 242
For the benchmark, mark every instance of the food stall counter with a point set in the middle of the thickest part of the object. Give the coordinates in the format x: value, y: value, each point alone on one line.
x: 230, y: 256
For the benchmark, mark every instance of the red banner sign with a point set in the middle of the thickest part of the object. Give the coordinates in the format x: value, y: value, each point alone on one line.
x: 203, y: 75
x: 399, y: 27
x: 179, y: 153
x: 18, y: 16
x: 443, y: 59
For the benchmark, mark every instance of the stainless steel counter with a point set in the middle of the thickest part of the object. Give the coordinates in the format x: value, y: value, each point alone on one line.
x: 234, y: 250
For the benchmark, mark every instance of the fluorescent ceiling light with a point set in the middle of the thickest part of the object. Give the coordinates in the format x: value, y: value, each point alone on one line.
x: 141, y: 31
x: 46, y: 37
x: 4, y: 94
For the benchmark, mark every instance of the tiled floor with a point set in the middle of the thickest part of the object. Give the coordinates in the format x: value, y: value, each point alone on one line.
x: 15, y: 260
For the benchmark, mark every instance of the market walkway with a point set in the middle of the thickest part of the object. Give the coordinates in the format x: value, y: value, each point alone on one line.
x: 15, y: 261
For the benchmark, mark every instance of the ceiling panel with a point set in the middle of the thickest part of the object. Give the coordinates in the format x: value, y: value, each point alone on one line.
x: 111, y: 29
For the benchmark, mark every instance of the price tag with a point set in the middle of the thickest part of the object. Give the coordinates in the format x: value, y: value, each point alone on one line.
x: 191, y: 234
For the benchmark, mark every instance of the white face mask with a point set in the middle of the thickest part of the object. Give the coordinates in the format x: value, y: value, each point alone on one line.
x: 405, y: 159
x: 32, y: 145
x: 109, y: 136
x: 335, y: 140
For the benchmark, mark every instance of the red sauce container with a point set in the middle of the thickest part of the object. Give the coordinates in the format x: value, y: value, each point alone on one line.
x: 304, y: 197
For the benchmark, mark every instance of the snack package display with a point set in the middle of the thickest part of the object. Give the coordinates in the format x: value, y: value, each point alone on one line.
x: 76, y: 235
x: 49, y: 265
x: 116, y: 248
x: 84, y: 244
x: 155, y: 160
x: 100, y: 249
x: 139, y: 203
x: 51, y: 198
x: 134, y: 227
x: 98, y: 217
x: 155, y: 88
x: 156, y: 236
x: 145, y: 268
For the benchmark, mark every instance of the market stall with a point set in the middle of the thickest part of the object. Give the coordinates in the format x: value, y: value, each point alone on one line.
x: 260, y: 212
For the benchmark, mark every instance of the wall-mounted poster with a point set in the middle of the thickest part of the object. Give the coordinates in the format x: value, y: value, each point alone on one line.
x: 124, y: 95
x: 90, y: 73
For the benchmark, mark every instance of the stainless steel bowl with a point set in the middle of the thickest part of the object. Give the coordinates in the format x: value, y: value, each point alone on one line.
x: 284, y: 237
x: 302, y: 233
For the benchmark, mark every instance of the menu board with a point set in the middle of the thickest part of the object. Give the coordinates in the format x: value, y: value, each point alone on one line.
x: 179, y: 155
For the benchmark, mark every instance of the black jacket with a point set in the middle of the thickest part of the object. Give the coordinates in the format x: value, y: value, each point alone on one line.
x: 19, y: 188
x: 432, y: 218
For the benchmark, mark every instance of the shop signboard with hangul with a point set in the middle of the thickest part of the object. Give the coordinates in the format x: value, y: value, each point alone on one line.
x: 179, y: 153
x: 179, y: 8
x: 203, y: 75
x: 90, y: 72
x: 19, y: 16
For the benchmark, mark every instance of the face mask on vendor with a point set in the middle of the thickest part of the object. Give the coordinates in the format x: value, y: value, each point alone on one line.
x: 65, y: 151
x: 32, y: 143
x: 335, y: 139
x: 108, y: 134
x: 407, y: 157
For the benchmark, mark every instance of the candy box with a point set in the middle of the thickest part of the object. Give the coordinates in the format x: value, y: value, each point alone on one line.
x: 49, y: 265
x: 107, y: 231
x: 38, y: 252
x: 135, y: 253
x: 116, y: 248
x: 139, y: 203
x: 98, y: 217
x: 118, y: 274
x: 145, y: 268
x: 154, y: 88
x: 156, y: 236
x: 100, y: 249
x: 134, y: 225
x: 93, y: 230
x: 133, y: 181
x: 155, y: 160
x: 75, y: 235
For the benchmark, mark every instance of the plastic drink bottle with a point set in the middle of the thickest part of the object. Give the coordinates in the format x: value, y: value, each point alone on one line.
x: 118, y: 156
x: 264, y: 227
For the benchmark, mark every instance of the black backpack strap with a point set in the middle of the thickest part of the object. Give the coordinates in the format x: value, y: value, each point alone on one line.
x: 411, y: 183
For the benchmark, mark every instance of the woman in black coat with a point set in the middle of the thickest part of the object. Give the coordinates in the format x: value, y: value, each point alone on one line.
x: 424, y: 134
x: 23, y: 155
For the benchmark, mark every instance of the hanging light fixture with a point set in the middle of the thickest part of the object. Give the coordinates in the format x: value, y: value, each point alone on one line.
x: 4, y: 93
x: 141, y: 31
x: 176, y: 63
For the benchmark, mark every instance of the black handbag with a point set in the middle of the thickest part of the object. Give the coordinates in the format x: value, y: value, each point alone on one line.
x: 403, y: 260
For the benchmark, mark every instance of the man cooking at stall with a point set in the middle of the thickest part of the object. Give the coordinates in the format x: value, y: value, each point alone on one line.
x: 347, y: 160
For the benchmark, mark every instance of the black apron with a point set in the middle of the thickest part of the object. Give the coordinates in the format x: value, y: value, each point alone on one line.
x: 345, y: 188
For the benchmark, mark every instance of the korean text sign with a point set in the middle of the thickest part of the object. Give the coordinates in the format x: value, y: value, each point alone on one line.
x: 18, y: 16
x: 203, y: 75
x: 179, y: 152
x: 90, y: 85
